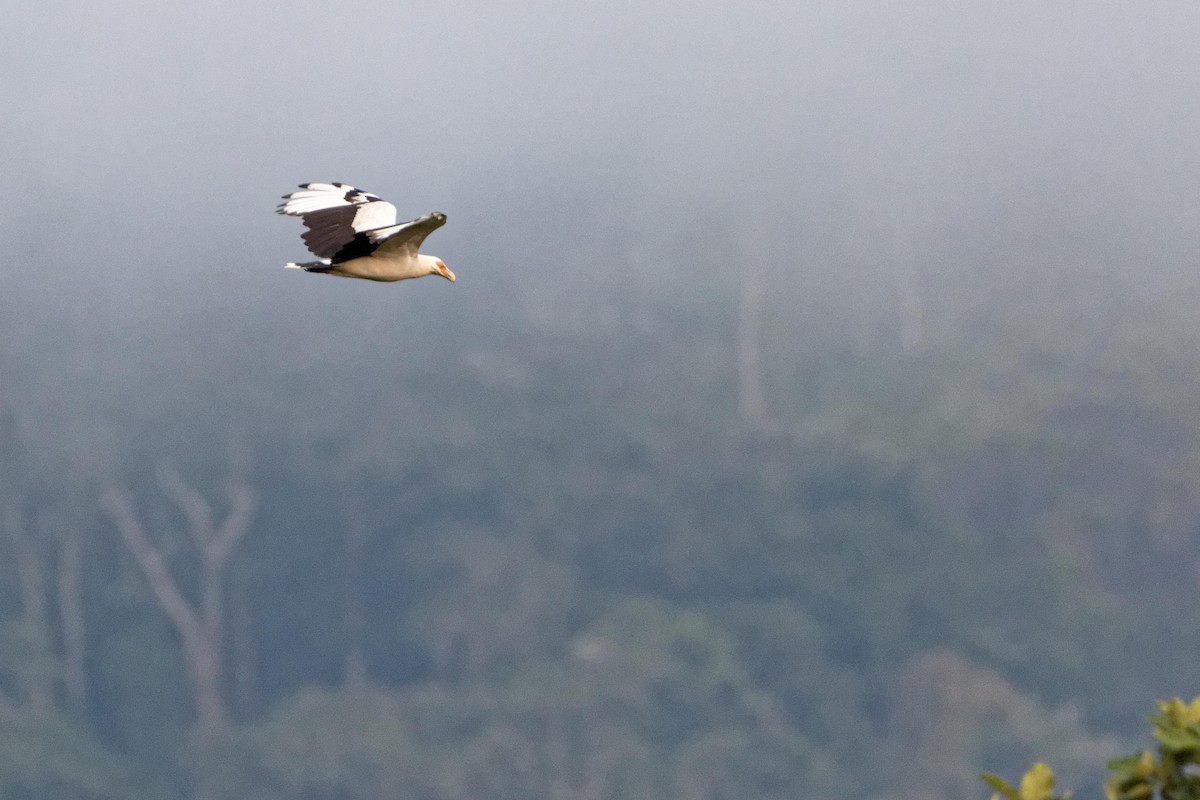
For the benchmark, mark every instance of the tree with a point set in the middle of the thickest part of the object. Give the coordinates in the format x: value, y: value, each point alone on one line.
x: 1168, y: 773
x: 45, y: 744
x: 200, y: 624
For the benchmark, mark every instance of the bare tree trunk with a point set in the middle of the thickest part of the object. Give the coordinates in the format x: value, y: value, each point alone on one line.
x: 201, y: 628
x: 192, y: 631
x: 70, y: 611
x: 37, y: 682
x: 242, y: 635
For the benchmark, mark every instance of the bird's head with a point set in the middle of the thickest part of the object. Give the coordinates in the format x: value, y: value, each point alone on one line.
x: 438, y: 267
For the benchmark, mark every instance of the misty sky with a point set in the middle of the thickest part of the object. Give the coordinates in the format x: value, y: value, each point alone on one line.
x: 145, y: 145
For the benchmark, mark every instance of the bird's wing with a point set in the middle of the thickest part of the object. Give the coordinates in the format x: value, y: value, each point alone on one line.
x: 408, y: 235
x: 335, y: 214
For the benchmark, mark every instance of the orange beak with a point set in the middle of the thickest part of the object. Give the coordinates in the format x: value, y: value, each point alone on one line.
x: 445, y: 272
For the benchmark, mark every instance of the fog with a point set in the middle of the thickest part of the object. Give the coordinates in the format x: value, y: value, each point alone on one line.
x: 997, y: 196
x: 152, y: 136
x: 635, y: 146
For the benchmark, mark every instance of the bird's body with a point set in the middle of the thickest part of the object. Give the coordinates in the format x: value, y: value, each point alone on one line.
x: 354, y: 235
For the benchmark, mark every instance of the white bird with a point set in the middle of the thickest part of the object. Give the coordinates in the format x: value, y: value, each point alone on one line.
x: 354, y: 234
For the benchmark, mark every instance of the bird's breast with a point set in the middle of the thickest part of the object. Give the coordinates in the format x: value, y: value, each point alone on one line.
x: 381, y: 267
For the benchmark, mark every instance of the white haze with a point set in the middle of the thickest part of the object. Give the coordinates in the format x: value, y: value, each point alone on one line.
x: 585, y: 145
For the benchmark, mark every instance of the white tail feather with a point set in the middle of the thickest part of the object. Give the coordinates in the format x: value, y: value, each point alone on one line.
x: 309, y: 266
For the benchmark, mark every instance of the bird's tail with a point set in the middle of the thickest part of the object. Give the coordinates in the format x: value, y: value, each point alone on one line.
x: 324, y: 265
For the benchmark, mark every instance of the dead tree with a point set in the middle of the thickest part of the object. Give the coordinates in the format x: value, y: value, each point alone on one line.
x: 36, y: 682
x: 27, y: 561
x: 200, y: 623
x: 70, y: 610
x: 43, y: 540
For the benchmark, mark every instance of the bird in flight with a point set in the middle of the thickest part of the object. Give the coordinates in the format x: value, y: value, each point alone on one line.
x: 354, y: 234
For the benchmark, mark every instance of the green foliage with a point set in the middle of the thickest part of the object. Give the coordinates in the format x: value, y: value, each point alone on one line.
x: 349, y: 743
x: 1036, y: 784
x: 583, y: 576
x: 47, y: 751
x: 652, y: 702
x: 1169, y: 773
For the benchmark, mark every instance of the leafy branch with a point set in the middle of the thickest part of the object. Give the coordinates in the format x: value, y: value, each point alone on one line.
x: 1170, y: 772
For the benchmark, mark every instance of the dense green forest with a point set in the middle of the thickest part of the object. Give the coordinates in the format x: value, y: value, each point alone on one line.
x: 594, y: 552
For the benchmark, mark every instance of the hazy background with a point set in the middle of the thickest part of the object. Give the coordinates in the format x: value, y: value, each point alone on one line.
x: 834, y: 364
